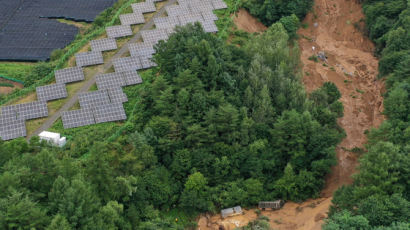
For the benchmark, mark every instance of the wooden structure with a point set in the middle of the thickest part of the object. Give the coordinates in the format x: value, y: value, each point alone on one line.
x: 274, y: 205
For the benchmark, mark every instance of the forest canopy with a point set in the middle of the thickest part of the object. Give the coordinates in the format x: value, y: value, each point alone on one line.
x: 271, y: 11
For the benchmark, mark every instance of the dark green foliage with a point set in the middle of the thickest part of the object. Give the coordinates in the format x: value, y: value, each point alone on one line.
x: 39, y: 71
x: 291, y: 24
x: 345, y: 221
x: 270, y: 11
x: 259, y: 224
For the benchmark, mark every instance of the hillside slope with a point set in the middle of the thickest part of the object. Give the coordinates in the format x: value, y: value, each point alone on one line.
x: 353, y: 68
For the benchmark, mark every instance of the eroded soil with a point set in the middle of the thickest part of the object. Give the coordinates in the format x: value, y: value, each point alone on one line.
x: 352, y: 67
x: 245, y: 21
x: 7, y: 90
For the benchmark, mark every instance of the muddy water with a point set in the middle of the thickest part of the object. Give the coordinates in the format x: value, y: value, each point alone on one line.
x: 352, y: 67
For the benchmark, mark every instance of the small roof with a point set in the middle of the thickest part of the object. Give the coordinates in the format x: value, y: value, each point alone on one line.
x: 49, y: 135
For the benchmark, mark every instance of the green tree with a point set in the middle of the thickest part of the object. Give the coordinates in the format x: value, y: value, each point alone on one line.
x: 195, y: 195
x: 20, y: 212
x: 59, y: 223
x: 76, y: 201
x: 291, y: 24
x: 345, y: 221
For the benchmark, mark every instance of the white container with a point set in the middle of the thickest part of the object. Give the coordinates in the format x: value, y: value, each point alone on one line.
x: 53, y: 138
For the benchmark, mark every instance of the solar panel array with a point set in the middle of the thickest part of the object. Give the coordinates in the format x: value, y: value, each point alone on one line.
x: 118, y: 31
x: 110, y: 80
x: 105, y: 104
x: 109, y: 112
x: 12, y: 129
x: 31, y: 110
x: 132, y: 19
x: 77, y: 118
x: 144, y: 7
x: 92, y: 99
x: 69, y: 75
x: 131, y: 77
x: 127, y: 64
x: 117, y: 95
x: 26, y: 34
x: 51, y: 92
x: 104, y: 44
x: 13, y: 117
x: 89, y: 58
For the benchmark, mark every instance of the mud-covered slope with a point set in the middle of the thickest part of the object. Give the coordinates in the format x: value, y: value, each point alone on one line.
x: 352, y: 67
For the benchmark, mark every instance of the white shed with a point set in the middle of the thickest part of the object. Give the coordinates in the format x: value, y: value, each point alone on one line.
x: 237, y: 210
x: 53, y: 138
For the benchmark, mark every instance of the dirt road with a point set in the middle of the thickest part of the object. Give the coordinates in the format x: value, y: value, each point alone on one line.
x: 353, y: 68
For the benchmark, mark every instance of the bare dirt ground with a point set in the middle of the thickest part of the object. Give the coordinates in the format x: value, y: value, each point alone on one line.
x: 6, y: 90
x: 353, y: 68
x: 244, y: 21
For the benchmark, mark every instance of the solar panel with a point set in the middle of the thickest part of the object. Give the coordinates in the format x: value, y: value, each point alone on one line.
x: 209, y: 16
x: 219, y: 4
x: 77, y: 118
x: 143, y: 7
x: 166, y: 22
x: 126, y: 64
x: 8, y: 113
x: 104, y: 44
x: 117, y: 95
x: 176, y: 10
x: 110, y: 112
x: 31, y: 110
x: 141, y: 49
x: 131, y: 77
x: 201, y: 6
x: 69, y: 75
x: 154, y: 36
x: 170, y: 31
x: 118, y: 31
x: 51, y: 92
x: 92, y: 99
x: 89, y: 58
x: 110, y: 80
x: 132, y: 19
x: 190, y: 18
x: 12, y: 129
x: 209, y: 26
x: 147, y: 63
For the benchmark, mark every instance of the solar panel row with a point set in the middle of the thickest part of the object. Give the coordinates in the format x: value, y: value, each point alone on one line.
x: 104, y: 44
x: 132, y: 19
x: 13, y: 117
x: 89, y: 58
x: 51, y: 92
x: 69, y: 75
x: 119, y: 31
x: 144, y: 7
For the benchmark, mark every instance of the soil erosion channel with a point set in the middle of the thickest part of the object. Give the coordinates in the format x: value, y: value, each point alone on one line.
x: 352, y: 67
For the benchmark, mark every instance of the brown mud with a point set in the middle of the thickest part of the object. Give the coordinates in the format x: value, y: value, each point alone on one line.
x: 245, y: 21
x: 7, y: 90
x: 332, y: 28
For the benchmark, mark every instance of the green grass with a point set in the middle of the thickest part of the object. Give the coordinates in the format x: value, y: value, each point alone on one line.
x: 183, y: 219
x: 15, y: 70
x: 4, y: 84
